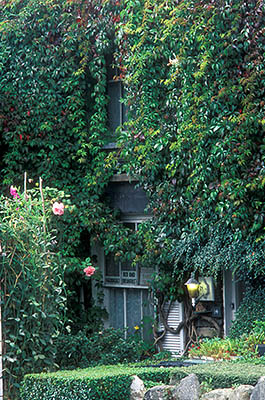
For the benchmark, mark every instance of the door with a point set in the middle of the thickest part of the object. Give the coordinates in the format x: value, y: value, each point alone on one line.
x: 233, y: 294
x: 129, y: 308
x: 174, y: 342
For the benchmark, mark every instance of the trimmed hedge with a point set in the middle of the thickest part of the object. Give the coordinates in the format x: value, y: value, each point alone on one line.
x: 113, y: 382
x: 227, y: 374
x: 99, y: 383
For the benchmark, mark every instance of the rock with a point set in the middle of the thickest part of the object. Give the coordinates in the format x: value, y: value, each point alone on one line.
x: 137, y: 388
x: 159, y: 393
x: 259, y: 390
x: 218, y: 394
x: 243, y: 392
x: 188, y: 388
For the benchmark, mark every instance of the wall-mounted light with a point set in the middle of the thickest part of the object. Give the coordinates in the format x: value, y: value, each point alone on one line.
x: 202, y: 289
x: 193, y: 289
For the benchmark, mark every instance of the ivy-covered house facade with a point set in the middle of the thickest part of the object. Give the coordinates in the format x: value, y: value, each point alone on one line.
x: 186, y: 142
x: 127, y: 288
x: 148, y: 118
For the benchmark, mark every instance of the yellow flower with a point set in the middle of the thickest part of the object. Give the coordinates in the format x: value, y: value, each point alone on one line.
x: 136, y: 327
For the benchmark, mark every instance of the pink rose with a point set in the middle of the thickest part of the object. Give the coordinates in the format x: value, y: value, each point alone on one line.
x: 13, y: 192
x: 89, y: 271
x: 58, y: 208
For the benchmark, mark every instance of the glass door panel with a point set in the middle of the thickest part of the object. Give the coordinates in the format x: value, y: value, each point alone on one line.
x: 116, y: 308
x: 133, y: 309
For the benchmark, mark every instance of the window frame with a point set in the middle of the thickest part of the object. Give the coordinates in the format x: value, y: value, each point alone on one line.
x: 137, y: 220
x: 112, y: 72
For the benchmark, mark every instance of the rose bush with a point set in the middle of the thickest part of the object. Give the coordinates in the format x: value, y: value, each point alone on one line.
x: 32, y: 289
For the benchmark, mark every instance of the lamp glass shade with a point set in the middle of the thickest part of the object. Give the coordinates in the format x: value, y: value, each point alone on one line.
x: 193, y: 287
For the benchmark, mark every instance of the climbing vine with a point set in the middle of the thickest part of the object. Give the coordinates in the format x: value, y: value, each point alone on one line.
x: 195, y: 139
x: 194, y: 78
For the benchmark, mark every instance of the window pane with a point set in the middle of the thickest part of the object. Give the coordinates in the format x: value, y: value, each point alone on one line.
x: 112, y: 268
x: 114, y: 107
x: 133, y: 306
x: 116, y: 308
x: 148, y: 317
x: 130, y: 225
x: 129, y: 273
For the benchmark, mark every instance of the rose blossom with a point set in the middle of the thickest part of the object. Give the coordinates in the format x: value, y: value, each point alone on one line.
x: 13, y: 192
x: 89, y: 271
x: 58, y: 208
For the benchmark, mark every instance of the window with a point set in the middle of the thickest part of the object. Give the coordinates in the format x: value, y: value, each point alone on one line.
x: 129, y: 308
x: 117, y: 111
x: 123, y: 273
x: 128, y: 300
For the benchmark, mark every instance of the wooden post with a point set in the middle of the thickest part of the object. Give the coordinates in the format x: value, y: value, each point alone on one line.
x: 43, y: 205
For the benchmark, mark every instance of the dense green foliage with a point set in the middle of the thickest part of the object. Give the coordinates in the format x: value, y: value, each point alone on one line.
x: 227, y: 374
x: 32, y: 287
x: 106, y: 382
x: 251, y: 309
x: 195, y: 76
x: 105, y: 347
x: 113, y: 382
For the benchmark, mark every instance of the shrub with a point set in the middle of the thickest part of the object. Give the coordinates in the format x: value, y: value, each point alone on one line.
x: 106, y: 347
x: 32, y: 290
x: 258, y: 332
x: 227, y: 373
x: 216, y: 348
x: 99, y: 383
x: 113, y: 382
x: 251, y: 309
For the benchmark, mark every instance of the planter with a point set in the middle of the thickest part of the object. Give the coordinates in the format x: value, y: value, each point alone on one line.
x: 261, y: 349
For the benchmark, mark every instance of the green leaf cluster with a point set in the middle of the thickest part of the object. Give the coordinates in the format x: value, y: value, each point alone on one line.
x: 251, y: 309
x: 195, y: 135
x: 32, y: 288
x: 194, y: 77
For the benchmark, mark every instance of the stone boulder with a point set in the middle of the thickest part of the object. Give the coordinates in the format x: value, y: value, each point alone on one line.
x: 163, y: 392
x: 218, y: 394
x: 188, y: 388
x: 259, y: 390
x: 137, y: 389
x: 243, y: 392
